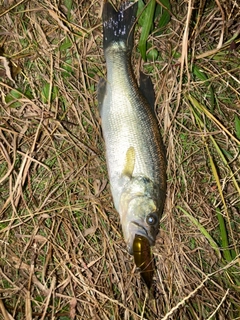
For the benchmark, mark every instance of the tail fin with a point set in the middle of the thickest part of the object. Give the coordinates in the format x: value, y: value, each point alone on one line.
x: 118, y: 25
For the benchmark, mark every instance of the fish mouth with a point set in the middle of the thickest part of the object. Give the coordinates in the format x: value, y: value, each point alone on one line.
x: 143, y: 258
x: 142, y: 231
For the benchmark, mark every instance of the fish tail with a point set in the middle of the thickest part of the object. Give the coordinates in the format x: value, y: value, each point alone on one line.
x: 118, y: 26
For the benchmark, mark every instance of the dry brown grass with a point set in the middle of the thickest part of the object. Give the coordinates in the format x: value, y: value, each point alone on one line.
x: 62, y: 251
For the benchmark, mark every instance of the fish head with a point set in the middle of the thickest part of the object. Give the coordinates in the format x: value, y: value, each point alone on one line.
x: 139, y: 211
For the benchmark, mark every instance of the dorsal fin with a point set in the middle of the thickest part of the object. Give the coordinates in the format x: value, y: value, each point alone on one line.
x: 147, y: 90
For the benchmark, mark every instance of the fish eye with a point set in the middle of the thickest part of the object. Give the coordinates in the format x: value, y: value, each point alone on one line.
x: 151, y: 219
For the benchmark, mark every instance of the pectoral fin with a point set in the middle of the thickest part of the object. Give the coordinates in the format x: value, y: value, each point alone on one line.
x: 129, y: 162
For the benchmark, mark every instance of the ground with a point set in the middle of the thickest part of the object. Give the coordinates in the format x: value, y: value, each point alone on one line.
x: 62, y: 252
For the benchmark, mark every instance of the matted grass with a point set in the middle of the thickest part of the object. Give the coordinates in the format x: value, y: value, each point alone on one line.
x: 62, y: 253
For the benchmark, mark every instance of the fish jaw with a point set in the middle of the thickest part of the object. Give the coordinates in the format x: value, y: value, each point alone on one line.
x: 139, y: 211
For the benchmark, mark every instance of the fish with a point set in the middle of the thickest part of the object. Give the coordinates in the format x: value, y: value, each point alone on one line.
x: 135, y: 154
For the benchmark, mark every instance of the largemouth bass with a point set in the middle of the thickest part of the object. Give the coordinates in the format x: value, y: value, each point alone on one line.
x: 134, y: 149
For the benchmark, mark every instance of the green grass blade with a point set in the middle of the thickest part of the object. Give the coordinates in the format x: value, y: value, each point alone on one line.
x: 203, y: 77
x: 224, y: 237
x: 237, y: 126
x: 140, y: 12
x: 202, y: 230
x: 227, y: 254
x: 69, y: 6
x: 163, y: 10
x: 201, y: 108
x: 147, y: 22
x: 221, y: 154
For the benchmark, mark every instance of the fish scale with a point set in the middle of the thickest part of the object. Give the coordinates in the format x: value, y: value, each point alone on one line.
x: 133, y: 130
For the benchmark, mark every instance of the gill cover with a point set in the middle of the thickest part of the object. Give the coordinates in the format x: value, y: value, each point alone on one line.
x: 143, y: 258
